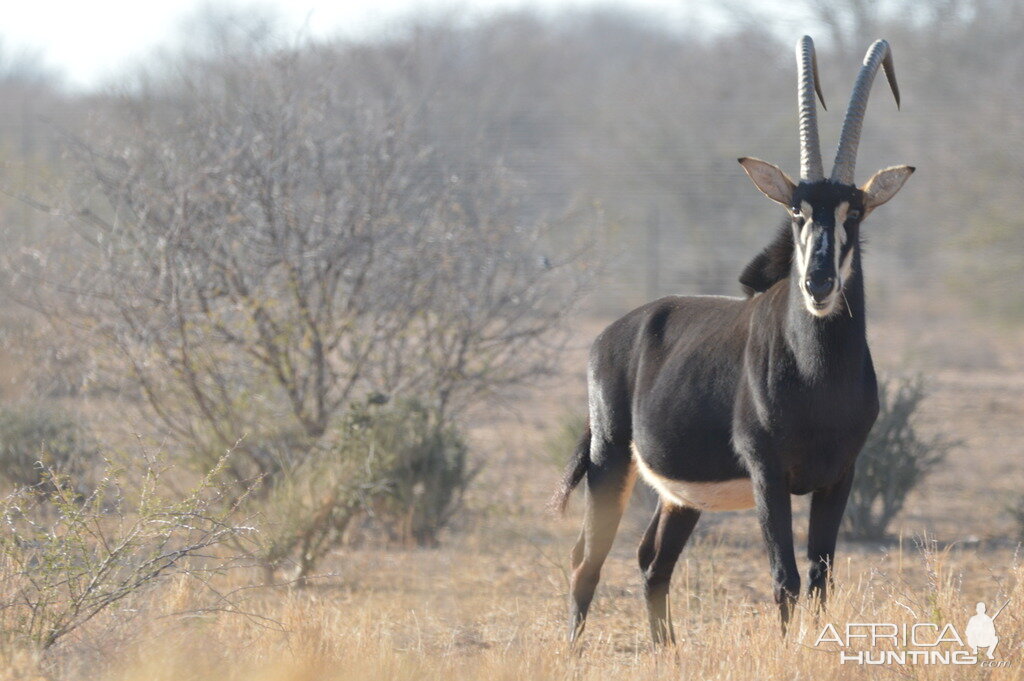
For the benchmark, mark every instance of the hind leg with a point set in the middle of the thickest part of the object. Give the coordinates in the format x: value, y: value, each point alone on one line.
x: 664, y: 540
x: 610, y: 478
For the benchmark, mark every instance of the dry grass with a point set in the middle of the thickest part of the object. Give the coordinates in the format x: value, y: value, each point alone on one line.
x: 491, y: 602
x: 500, y: 615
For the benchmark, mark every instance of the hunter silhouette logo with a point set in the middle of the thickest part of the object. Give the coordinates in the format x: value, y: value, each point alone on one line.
x: 879, y: 643
x: 981, y: 631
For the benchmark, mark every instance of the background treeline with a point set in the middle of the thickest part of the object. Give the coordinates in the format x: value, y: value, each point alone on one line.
x: 613, y: 112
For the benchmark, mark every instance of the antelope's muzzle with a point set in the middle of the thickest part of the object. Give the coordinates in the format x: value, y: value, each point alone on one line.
x: 819, y: 285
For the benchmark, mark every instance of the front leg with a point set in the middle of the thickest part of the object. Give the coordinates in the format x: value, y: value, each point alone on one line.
x: 827, y: 508
x: 775, y: 513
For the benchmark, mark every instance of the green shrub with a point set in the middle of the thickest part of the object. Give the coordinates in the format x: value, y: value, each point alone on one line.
x: 427, y: 473
x: 1017, y: 513
x: 391, y: 469
x: 65, y: 558
x: 309, y: 502
x: 35, y: 437
x: 895, y: 459
x: 561, y: 441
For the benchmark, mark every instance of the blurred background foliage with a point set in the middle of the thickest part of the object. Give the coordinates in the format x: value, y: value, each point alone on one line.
x: 611, y: 111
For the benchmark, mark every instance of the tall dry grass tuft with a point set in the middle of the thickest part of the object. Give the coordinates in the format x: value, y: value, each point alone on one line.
x: 334, y: 634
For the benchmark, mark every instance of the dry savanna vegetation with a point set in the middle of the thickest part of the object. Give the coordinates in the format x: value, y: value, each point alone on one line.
x: 295, y: 336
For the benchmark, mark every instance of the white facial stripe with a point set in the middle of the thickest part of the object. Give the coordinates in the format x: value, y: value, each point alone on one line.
x: 824, y: 240
x: 805, y: 261
x: 808, y: 300
x: 808, y: 213
x: 805, y: 238
x: 841, y: 210
x: 846, y: 269
x: 840, y: 232
x: 805, y: 248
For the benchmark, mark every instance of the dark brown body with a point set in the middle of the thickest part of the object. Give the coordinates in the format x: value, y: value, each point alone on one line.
x: 714, y: 389
x: 727, y: 403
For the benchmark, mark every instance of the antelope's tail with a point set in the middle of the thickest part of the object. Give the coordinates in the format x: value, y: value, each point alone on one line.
x: 574, y: 472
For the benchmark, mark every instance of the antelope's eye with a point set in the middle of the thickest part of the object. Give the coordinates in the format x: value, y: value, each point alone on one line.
x: 853, y: 215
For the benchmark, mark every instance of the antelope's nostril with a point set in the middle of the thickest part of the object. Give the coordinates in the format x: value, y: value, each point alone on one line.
x: 819, y: 286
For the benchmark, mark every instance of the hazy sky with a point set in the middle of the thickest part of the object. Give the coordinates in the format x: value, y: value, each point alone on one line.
x: 88, y: 41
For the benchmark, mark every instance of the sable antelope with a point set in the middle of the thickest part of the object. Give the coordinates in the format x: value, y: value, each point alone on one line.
x: 730, y: 403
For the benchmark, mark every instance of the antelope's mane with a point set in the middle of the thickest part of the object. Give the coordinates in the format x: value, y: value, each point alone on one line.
x: 771, y: 265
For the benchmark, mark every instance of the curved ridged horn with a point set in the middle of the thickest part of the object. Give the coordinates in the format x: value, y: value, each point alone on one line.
x: 846, y: 154
x: 811, y: 169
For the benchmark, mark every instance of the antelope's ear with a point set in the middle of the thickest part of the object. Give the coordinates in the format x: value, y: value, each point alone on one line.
x: 772, y: 182
x: 884, y: 184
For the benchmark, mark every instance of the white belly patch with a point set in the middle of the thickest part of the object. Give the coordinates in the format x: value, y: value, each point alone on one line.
x: 728, y: 495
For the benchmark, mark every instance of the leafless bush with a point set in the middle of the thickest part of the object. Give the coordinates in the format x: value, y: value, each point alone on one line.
x: 895, y: 459
x: 65, y: 559
x: 269, y: 238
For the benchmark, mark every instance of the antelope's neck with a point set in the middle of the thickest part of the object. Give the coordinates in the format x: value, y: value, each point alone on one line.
x: 825, y: 347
